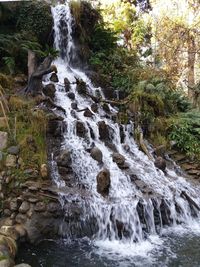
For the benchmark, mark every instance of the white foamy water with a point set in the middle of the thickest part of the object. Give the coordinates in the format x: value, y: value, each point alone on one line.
x: 121, y: 206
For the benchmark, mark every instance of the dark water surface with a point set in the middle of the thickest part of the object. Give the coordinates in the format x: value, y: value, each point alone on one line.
x: 172, y: 250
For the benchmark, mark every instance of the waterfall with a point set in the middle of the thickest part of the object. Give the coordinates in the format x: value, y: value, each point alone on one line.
x: 141, y: 199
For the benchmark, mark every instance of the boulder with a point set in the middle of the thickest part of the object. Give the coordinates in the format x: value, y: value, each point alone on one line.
x: 160, y: 163
x: 106, y: 108
x: 94, y: 107
x: 81, y: 87
x: 49, y: 90
x: 54, y: 78
x: 96, y: 154
x: 64, y: 159
x: 67, y: 85
x: 13, y: 150
x: 71, y: 95
x: 6, y: 263
x: 80, y: 129
x: 11, y: 161
x: 40, y: 207
x: 88, y: 113
x: 103, y: 131
x: 103, y: 182
x: 25, y: 206
x: 3, y: 140
x: 118, y: 159
x: 74, y: 105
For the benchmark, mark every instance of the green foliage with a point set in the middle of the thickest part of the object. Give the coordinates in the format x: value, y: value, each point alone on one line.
x: 10, y: 64
x: 35, y: 18
x: 185, y: 131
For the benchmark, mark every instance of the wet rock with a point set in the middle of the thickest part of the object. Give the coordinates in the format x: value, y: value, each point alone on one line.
x: 74, y: 105
x: 106, y: 108
x: 81, y: 87
x: 55, y: 128
x: 67, y: 85
x: 160, y: 163
x: 44, y: 171
x: 71, y: 95
x: 122, y: 134
x: 88, y: 113
x: 20, y: 230
x: 50, y: 90
x: 13, y: 150
x: 54, y: 78
x: 64, y: 159
x: 96, y: 154
x: 11, y: 161
x: 119, y: 159
x: 53, y: 207
x: 80, y: 129
x: 103, y: 131
x: 94, y: 107
x: 3, y: 140
x: 24, y: 207
x: 103, y: 182
x: 63, y: 171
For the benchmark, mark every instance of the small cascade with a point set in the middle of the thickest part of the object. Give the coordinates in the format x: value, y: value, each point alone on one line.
x: 116, y: 192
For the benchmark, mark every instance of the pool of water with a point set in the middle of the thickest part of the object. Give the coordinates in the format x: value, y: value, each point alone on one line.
x: 175, y: 248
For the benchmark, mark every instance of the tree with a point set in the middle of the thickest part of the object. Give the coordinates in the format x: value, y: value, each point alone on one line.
x: 176, y: 38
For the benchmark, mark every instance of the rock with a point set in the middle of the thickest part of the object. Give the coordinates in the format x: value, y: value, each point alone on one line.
x: 64, y: 159
x: 15, y: 204
x: 11, y: 161
x: 106, y: 108
x: 53, y: 207
x: 6, y: 263
x: 44, y: 171
x: 80, y: 129
x: 71, y: 95
x: 50, y: 90
x: 74, y: 105
x: 160, y: 150
x: 20, y: 218
x: 40, y: 206
x: 7, y: 212
x: 55, y: 128
x: 63, y: 171
x: 81, y: 87
x: 22, y: 265
x: 103, y: 182
x: 88, y: 113
x: 9, y: 231
x: 20, y: 230
x: 94, y: 107
x: 96, y: 154
x: 67, y: 85
x: 160, y: 163
x: 24, y: 207
x: 118, y: 159
x: 54, y: 78
x: 103, y: 131
x: 3, y: 140
x: 13, y: 150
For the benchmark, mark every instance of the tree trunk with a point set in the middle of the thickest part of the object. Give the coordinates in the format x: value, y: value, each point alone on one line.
x: 31, y: 63
x: 191, y: 63
x: 35, y: 85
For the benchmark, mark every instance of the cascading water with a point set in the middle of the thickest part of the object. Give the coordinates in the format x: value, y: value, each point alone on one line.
x: 141, y: 198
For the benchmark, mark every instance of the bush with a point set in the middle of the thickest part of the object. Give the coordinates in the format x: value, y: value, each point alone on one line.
x: 35, y: 18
